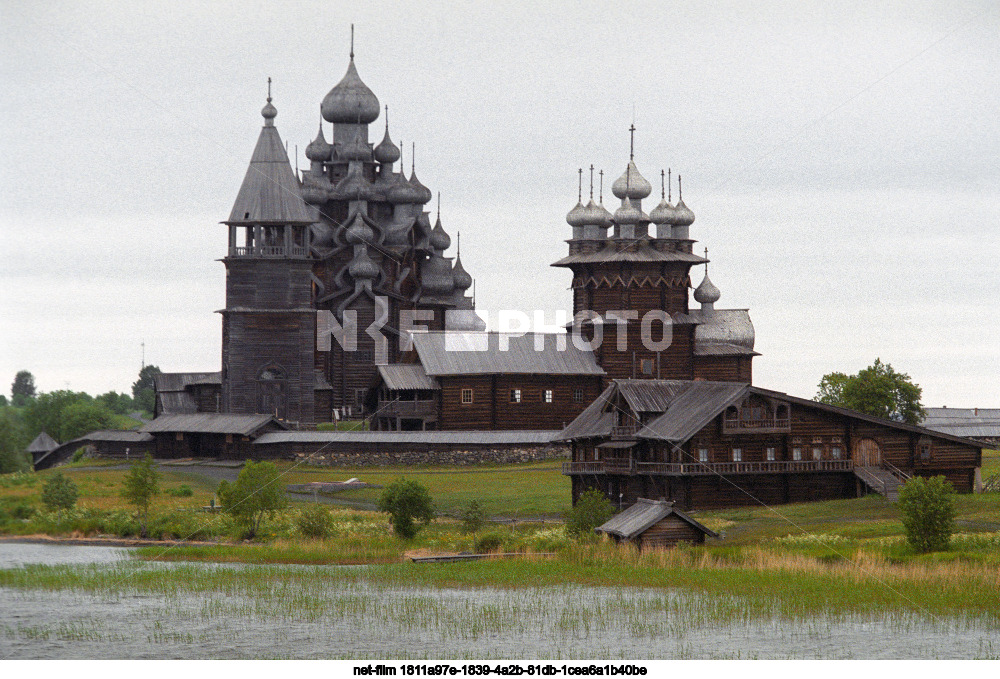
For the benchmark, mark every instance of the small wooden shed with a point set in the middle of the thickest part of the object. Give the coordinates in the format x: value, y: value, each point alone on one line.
x: 42, y: 446
x: 655, y: 523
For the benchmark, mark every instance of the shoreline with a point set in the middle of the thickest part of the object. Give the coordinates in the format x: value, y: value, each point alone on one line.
x: 98, y: 541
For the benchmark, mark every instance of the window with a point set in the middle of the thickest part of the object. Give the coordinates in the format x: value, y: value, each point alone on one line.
x: 835, y: 452
x: 578, y: 395
x: 817, y: 453
x: 737, y: 454
x: 925, y: 451
x: 797, y: 439
x: 817, y: 439
x: 703, y: 455
x: 546, y: 396
x: 467, y: 396
x: 836, y: 439
x: 796, y: 453
x: 772, y: 454
x: 647, y: 366
x: 515, y: 395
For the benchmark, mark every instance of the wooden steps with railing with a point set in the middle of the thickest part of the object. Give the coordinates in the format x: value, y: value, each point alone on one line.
x: 884, y: 480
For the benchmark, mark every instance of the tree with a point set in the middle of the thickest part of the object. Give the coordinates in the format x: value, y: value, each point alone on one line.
x: 877, y: 390
x: 928, y: 509
x: 144, y: 388
x: 45, y: 413
x: 119, y: 404
x: 256, y: 494
x: 473, y: 517
x: 590, y: 511
x: 406, y: 502
x: 13, y: 441
x: 141, y: 484
x: 59, y: 492
x: 83, y: 417
x: 22, y: 390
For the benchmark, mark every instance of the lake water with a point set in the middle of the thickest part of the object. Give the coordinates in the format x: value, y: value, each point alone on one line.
x: 318, y: 612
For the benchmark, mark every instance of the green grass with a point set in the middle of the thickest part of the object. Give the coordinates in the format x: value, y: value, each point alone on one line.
x: 526, y: 490
x: 343, y: 425
x: 991, y: 463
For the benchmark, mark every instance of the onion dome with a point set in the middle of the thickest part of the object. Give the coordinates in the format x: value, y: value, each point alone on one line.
x: 664, y: 213
x: 403, y: 192
x: 628, y: 213
x: 436, y: 277
x: 355, y: 186
x: 424, y: 192
x: 440, y: 240
x: 362, y: 267
x: 632, y: 184
x: 354, y: 150
x: 269, y: 112
x: 577, y: 216
x: 707, y: 293
x: 595, y: 215
x: 462, y: 279
x: 359, y: 232
x: 682, y: 215
x: 350, y: 101
x: 318, y: 150
x: 386, y: 151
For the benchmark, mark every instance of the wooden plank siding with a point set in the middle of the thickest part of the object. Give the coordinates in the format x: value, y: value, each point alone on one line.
x: 491, y: 407
x: 668, y: 532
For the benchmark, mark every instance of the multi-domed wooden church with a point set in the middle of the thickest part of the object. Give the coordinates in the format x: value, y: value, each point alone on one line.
x: 340, y: 301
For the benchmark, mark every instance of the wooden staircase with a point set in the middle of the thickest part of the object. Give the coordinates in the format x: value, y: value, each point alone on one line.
x: 882, y: 480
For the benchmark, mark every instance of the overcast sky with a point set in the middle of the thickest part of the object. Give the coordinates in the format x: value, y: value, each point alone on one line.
x: 841, y: 158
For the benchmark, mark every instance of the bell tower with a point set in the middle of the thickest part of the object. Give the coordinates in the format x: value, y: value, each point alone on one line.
x: 269, y: 323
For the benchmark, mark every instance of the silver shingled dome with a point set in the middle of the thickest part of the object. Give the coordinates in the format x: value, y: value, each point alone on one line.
x: 350, y: 101
x: 628, y: 213
x: 683, y: 215
x: 318, y: 150
x: 386, y: 151
x: 577, y: 216
x: 632, y: 183
x: 707, y: 292
x: 664, y: 213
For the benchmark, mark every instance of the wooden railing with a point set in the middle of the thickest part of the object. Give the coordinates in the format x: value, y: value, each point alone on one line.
x: 617, y: 466
x: 769, y: 425
x: 267, y: 251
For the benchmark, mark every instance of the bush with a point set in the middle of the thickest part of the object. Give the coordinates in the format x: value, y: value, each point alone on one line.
x: 473, y: 517
x: 59, y: 493
x: 490, y: 542
x: 256, y: 494
x: 315, y: 521
x: 406, y: 502
x: 590, y: 511
x: 928, y: 509
x: 78, y: 455
x: 141, y: 484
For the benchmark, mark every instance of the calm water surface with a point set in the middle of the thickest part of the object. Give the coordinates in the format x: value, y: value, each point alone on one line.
x: 313, y: 617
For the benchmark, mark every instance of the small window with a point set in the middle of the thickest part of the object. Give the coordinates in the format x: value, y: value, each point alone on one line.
x: 817, y: 453
x: 817, y: 439
x: 925, y: 451
x: 578, y: 395
x: 647, y: 366
x: 797, y: 439
x: 546, y: 396
x: 737, y: 454
x: 835, y: 452
x: 515, y: 395
x: 703, y: 455
x: 772, y: 454
x: 467, y: 396
x: 836, y: 439
x: 796, y: 453
x: 732, y: 413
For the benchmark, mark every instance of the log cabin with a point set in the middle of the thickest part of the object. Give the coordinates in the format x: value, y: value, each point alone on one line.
x: 707, y: 444
x: 655, y: 524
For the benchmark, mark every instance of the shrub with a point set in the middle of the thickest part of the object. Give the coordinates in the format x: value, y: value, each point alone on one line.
x: 78, y: 455
x: 406, y: 502
x: 256, y: 494
x: 928, y: 509
x: 59, y: 493
x: 141, y: 484
x: 473, y: 517
x: 315, y: 521
x: 490, y: 542
x: 590, y: 511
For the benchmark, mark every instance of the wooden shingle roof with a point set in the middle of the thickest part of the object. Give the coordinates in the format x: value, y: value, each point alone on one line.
x: 644, y: 514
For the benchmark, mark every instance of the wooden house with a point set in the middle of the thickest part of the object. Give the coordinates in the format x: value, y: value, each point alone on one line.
x: 718, y: 444
x: 655, y: 524
x: 208, y: 434
x: 486, y: 381
x: 120, y: 443
x: 41, y: 446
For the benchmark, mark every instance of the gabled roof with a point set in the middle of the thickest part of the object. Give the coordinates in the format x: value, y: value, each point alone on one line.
x: 694, y: 408
x: 270, y: 192
x: 211, y: 423
x: 651, y: 396
x: 491, y: 353
x: 180, y: 381
x: 406, y: 376
x: 644, y: 514
x: 43, y: 443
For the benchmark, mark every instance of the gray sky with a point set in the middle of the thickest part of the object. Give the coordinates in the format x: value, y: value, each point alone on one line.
x: 841, y: 159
